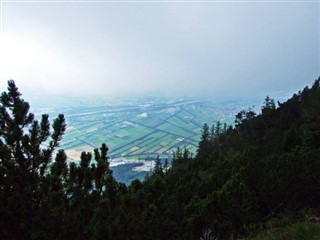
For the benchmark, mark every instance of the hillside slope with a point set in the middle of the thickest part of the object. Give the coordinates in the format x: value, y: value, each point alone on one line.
x: 241, y: 177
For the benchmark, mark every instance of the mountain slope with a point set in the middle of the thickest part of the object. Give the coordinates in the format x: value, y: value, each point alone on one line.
x: 241, y: 178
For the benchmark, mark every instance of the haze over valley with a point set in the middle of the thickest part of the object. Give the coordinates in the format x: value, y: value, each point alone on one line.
x: 160, y: 119
x: 137, y: 129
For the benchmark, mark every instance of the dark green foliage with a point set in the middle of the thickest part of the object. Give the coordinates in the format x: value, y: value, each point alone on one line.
x: 241, y: 176
x: 24, y: 163
x: 204, y: 144
x: 268, y: 106
x: 158, y: 168
x: 181, y: 156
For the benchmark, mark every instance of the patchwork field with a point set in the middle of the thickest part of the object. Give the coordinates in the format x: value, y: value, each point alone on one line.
x: 142, y: 128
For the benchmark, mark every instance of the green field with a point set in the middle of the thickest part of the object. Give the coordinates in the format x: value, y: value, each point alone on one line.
x: 140, y: 128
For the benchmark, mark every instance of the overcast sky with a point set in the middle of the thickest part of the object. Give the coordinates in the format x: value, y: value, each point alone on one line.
x: 205, y: 48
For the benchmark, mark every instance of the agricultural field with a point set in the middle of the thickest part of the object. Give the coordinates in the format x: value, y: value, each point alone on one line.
x: 139, y: 129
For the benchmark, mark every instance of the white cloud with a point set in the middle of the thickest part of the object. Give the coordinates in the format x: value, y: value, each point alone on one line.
x: 122, y: 48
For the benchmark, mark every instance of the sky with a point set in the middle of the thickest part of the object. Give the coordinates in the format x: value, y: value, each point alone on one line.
x: 115, y: 48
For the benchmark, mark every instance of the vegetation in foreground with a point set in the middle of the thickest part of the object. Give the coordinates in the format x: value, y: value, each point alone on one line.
x: 241, y: 177
x: 288, y: 225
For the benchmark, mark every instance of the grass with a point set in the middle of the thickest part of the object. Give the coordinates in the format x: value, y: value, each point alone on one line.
x: 302, y: 225
x: 175, y: 130
x: 160, y: 130
x: 185, y: 124
x: 297, y: 231
x: 185, y: 115
x: 152, y: 122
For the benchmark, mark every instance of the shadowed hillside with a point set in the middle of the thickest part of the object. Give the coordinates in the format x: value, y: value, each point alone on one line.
x: 242, y: 177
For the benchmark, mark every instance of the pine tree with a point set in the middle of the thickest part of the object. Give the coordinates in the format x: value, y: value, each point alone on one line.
x: 268, y: 105
x: 106, y: 189
x: 24, y: 161
x: 204, y: 144
x: 166, y: 166
x: 158, y: 169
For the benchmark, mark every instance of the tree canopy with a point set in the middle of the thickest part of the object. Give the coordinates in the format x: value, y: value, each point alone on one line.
x: 267, y: 163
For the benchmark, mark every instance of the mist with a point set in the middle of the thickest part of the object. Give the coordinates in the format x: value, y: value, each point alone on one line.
x: 111, y: 49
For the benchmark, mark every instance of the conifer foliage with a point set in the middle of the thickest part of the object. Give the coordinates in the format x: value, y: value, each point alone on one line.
x: 265, y: 164
x: 24, y: 161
